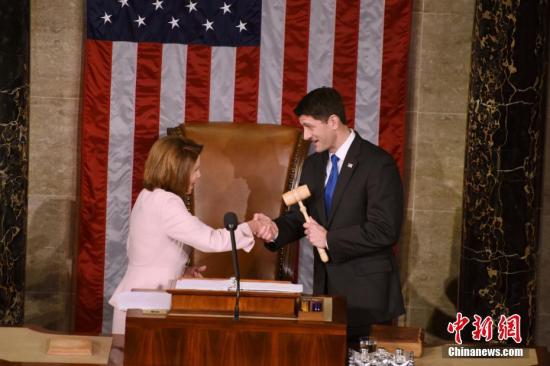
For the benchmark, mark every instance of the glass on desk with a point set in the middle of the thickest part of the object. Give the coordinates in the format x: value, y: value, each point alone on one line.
x: 399, y: 357
x: 382, y: 356
x: 363, y: 348
x: 410, y: 358
x: 367, y: 347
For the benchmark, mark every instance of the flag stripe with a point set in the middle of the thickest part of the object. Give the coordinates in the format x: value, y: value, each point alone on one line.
x: 345, y: 49
x: 397, y: 22
x: 247, y: 77
x: 321, y: 34
x: 271, y: 61
x: 93, y: 185
x: 197, y: 88
x: 369, y: 69
x: 295, y: 58
x: 172, y: 93
x: 222, y: 83
x: 121, y: 144
x: 147, y: 105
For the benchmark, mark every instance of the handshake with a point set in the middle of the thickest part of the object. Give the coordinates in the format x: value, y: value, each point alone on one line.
x: 264, y: 228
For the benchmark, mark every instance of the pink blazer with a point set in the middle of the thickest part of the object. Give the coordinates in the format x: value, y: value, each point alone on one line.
x: 161, y: 236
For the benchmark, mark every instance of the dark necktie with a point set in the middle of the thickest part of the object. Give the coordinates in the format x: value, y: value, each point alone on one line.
x: 331, y: 183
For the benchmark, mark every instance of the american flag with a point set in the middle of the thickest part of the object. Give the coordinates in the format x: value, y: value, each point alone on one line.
x: 150, y: 65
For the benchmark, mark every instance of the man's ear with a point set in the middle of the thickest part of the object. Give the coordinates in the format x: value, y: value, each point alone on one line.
x: 333, y: 121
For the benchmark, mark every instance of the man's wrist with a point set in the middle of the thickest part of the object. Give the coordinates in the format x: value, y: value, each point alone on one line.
x: 275, y: 236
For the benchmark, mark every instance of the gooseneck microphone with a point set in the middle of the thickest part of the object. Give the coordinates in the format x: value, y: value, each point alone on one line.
x: 230, y: 222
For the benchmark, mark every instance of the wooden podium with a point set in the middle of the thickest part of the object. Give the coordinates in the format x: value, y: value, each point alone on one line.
x: 216, y: 338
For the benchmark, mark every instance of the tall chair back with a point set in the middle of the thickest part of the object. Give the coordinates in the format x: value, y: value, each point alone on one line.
x: 245, y: 169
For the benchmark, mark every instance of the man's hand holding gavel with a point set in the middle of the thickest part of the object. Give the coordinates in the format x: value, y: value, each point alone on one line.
x: 316, y: 234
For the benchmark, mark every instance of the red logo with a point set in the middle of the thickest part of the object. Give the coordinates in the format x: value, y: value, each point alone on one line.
x: 483, y: 329
x: 457, y: 327
x: 508, y: 327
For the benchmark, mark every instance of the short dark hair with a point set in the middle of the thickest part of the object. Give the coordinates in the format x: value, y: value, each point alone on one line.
x: 170, y: 163
x: 321, y: 103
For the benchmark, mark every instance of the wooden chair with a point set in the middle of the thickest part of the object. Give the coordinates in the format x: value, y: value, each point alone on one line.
x: 245, y: 169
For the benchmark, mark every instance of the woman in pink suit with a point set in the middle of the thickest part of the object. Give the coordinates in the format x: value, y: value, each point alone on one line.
x: 162, y: 232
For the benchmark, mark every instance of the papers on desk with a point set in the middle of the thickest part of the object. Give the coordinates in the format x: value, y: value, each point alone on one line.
x: 271, y: 286
x: 231, y: 285
x: 204, y: 284
x: 161, y: 301
x: 144, y: 300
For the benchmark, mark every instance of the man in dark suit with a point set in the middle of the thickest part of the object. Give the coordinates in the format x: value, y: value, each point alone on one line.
x: 356, y: 206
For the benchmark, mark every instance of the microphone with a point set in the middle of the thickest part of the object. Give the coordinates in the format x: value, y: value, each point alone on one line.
x: 230, y: 222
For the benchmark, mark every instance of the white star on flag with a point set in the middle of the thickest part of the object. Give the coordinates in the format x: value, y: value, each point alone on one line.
x: 140, y: 21
x: 225, y: 8
x: 123, y: 3
x: 241, y: 26
x: 208, y: 25
x: 158, y: 4
x: 174, y: 22
x: 192, y: 6
x: 106, y: 18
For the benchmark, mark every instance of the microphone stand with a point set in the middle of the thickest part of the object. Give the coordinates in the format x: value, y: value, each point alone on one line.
x: 237, y: 273
x: 230, y: 222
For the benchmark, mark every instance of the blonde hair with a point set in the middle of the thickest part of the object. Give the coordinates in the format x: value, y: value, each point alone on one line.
x: 170, y: 163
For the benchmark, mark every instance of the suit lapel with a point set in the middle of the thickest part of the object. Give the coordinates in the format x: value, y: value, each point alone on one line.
x: 320, y: 181
x: 346, y: 172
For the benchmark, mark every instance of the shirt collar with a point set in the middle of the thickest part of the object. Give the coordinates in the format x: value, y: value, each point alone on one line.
x: 343, y: 150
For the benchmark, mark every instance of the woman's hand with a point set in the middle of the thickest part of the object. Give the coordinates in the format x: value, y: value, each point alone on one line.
x: 254, y: 225
x: 193, y: 272
x: 263, y: 227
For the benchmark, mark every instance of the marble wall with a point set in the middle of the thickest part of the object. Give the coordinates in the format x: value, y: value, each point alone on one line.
x: 438, y: 98
x: 503, y: 171
x: 14, y: 135
x: 56, y: 46
x: 542, y: 324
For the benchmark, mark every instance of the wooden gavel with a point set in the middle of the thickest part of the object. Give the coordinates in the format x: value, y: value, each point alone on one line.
x: 297, y: 195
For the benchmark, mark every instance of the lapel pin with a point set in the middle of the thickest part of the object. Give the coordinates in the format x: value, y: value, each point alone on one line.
x: 350, y: 165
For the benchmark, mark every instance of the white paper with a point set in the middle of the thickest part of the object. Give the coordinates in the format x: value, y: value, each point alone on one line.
x: 230, y: 285
x: 204, y: 284
x: 144, y: 300
x: 271, y: 286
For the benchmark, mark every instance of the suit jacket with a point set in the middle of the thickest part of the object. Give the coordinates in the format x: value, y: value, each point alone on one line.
x: 363, y: 225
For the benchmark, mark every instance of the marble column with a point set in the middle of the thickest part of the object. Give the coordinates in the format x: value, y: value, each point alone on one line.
x: 14, y: 91
x: 503, y: 163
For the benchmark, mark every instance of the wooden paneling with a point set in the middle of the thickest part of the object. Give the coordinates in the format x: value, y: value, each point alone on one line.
x: 193, y: 340
x: 223, y: 302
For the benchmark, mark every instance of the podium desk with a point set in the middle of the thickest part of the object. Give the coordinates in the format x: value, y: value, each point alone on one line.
x: 221, y: 340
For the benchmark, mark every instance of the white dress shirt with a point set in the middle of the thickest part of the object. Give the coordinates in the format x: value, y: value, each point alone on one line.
x: 341, y: 154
